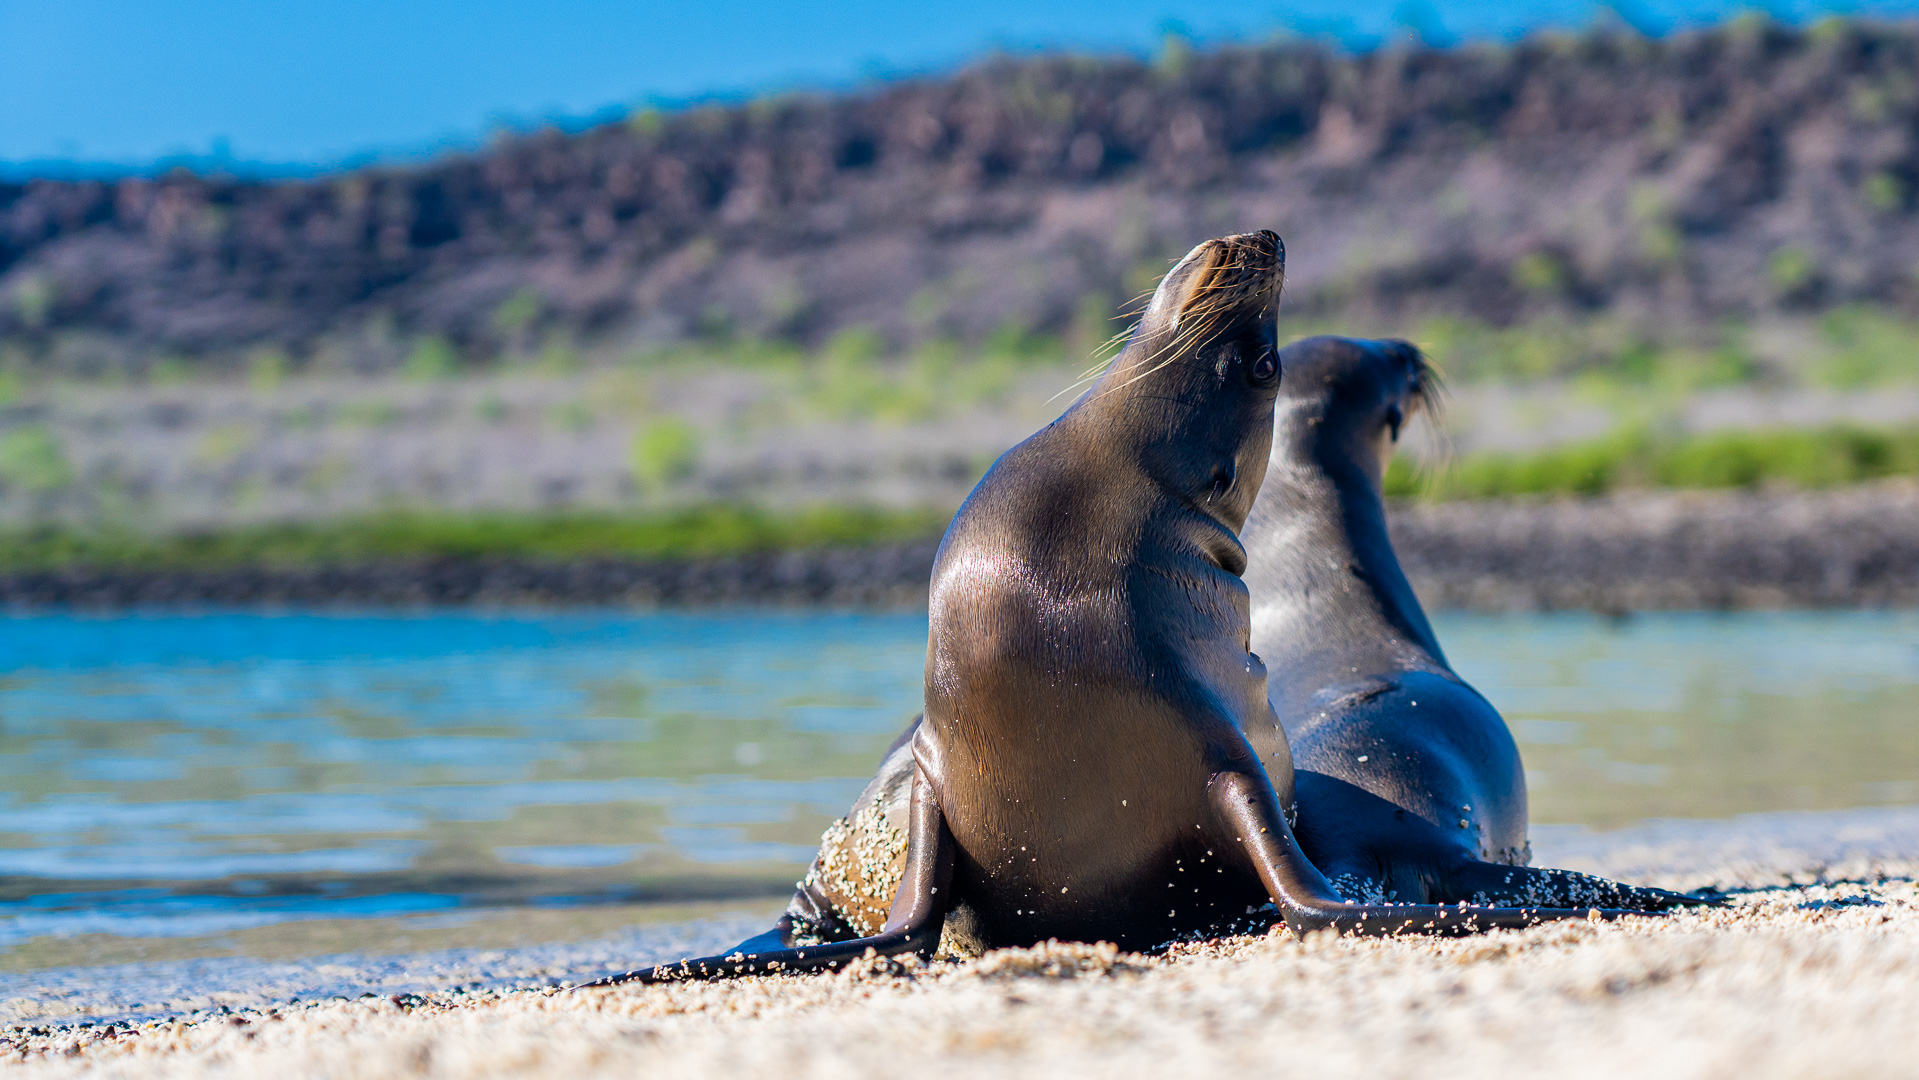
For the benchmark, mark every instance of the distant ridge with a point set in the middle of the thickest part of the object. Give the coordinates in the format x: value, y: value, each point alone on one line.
x: 1739, y: 172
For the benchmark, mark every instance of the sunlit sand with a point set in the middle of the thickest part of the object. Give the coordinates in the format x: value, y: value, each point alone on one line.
x: 1813, y: 969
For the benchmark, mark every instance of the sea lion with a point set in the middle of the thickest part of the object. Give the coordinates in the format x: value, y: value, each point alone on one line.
x: 1409, y: 784
x: 1083, y: 769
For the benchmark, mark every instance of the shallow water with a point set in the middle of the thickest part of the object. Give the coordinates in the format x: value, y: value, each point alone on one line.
x: 1700, y: 715
x: 178, y: 786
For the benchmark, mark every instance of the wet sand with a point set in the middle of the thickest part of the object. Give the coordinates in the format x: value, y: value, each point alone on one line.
x: 1813, y: 970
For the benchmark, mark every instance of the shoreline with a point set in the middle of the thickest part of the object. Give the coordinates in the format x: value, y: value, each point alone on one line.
x: 1634, y: 551
x: 1855, y: 546
x: 1813, y: 969
x: 1747, y: 853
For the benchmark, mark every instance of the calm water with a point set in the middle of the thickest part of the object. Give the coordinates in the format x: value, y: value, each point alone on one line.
x: 194, y: 776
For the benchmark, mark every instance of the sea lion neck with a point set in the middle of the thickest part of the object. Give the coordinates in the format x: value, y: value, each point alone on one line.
x: 1324, y: 557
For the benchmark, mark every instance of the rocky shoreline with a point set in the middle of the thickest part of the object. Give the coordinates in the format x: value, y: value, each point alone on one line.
x: 1640, y: 551
x: 1854, y: 547
x: 876, y: 577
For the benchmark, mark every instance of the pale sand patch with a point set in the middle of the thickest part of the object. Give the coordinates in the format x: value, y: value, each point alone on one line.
x: 1795, y: 981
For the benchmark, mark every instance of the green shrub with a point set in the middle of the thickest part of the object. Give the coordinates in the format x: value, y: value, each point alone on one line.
x: 1884, y: 192
x: 1791, y: 269
x: 1821, y: 457
x: 1866, y: 348
x: 701, y: 531
x: 519, y: 311
x: 1661, y: 243
x: 1577, y: 468
x: 558, y: 357
x: 853, y: 347
x: 433, y: 357
x: 267, y: 369
x: 1601, y: 352
x: 31, y: 459
x: 33, y: 298
x: 1539, y: 272
x: 1014, y: 342
x: 665, y: 453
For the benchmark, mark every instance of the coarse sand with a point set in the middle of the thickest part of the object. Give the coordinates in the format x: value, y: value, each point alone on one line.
x: 1812, y: 970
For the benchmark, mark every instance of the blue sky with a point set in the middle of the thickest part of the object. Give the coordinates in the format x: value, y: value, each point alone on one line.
x: 299, y: 84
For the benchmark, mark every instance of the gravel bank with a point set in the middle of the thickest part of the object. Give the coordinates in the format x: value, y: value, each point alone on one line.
x: 882, y: 577
x: 1855, y: 547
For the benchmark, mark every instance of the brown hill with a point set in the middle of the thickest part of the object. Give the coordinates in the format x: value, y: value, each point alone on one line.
x: 1743, y: 171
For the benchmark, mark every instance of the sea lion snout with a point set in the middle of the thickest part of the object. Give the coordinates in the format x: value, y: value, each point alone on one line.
x: 1352, y: 397
x: 1423, y: 389
x: 1221, y: 279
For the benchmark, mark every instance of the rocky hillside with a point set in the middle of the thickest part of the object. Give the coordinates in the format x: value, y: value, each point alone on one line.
x: 1741, y: 172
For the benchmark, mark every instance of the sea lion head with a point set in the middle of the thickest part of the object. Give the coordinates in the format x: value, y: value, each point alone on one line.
x: 1347, y: 400
x: 1193, y: 390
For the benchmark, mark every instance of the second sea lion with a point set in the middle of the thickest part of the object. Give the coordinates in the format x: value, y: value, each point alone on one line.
x: 1409, y: 783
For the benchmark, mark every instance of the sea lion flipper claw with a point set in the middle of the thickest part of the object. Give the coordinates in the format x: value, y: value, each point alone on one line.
x: 913, y: 926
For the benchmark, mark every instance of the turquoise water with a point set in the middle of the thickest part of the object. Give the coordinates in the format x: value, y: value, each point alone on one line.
x: 186, y: 776
x: 181, y: 776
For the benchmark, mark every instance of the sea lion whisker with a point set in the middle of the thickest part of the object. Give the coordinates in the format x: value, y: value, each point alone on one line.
x: 1099, y: 365
x: 1430, y: 396
x: 1429, y: 381
x: 1087, y: 377
x: 1187, y: 335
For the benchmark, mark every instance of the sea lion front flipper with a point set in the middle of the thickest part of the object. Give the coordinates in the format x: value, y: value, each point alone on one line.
x: 914, y: 924
x: 1475, y: 882
x: 1248, y: 813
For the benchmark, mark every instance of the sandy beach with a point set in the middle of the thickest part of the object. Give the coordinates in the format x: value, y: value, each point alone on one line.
x: 1813, y: 969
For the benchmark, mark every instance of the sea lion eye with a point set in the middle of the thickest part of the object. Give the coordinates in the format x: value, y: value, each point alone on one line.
x: 1266, y: 367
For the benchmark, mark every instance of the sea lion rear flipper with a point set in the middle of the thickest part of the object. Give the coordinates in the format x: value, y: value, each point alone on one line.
x: 780, y: 937
x: 1249, y: 814
x: 1493, y: 884
x: 914, y: 925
